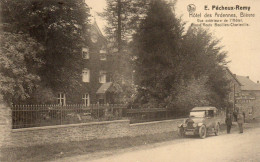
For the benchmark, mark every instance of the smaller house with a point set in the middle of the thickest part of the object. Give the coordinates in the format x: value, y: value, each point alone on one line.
x: 249, y: 99
x: 234, y: 86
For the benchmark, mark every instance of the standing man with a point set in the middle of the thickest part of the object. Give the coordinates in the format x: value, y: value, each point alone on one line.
x: 228, y: 122
x: 240, y: 121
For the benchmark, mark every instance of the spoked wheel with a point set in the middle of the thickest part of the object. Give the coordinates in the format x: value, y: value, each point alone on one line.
x: 217, y: 130
x: 202, y: 131
x: 180, y: 132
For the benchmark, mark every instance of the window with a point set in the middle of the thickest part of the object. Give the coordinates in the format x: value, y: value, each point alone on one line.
x: 86, y: 75
x: 85, y: 53
x: 85, y: 99
x: 102, y: 76
x: 61, y: 99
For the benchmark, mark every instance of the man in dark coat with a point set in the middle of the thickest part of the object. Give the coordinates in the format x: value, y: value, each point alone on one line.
x: 229, y: 122
x: 240, y: 121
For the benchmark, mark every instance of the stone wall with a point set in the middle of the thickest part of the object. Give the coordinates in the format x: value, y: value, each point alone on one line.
x: 5, y: 124
x: 154, y: 127
x: 86, y: 131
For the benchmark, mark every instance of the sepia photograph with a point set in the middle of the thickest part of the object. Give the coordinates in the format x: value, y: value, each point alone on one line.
x: 129, y: 80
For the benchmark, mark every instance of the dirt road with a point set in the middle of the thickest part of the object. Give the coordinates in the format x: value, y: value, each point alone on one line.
x: 226, y: 147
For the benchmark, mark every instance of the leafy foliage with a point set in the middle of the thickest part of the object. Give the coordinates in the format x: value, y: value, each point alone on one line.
x: 177, y: 69
x: 61, y: 27
x: 156, y: 47
x: 131, y: 14
x: 189, y: 94
x: 203, y: 57
x: 20, y: 56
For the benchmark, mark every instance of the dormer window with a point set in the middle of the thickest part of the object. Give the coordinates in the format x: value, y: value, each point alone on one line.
x: 85, y: 53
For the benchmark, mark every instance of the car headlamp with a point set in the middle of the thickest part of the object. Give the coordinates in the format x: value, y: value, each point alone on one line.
x: 194, y: 124
x: 200, y: 124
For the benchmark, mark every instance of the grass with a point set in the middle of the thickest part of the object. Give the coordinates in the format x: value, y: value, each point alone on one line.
x: 62, y: 150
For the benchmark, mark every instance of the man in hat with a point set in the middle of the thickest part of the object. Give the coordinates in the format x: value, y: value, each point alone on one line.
x: 228, y: 122
x: 240, y: 121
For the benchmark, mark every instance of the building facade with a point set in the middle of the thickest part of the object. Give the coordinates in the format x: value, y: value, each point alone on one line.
x: 249, y: 99
x: 96, y: 73
x: 244, y: 95
x: 234, y: 87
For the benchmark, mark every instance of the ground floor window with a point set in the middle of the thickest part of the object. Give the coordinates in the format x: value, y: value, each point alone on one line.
x: 86, y: 99
x: 61, y: 99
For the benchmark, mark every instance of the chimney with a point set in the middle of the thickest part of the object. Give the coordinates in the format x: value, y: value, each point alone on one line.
x: 258, y: 81
x: 247, y: 77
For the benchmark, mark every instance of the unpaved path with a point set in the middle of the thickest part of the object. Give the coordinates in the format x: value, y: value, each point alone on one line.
x: 226, y: 147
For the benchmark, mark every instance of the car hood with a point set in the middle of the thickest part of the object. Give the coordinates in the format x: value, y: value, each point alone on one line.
x: 195, y: 120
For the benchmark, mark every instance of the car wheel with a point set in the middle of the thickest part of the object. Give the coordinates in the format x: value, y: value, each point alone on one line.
x: 217, y: 130
x: 202, y: 131
x: 180, y: 132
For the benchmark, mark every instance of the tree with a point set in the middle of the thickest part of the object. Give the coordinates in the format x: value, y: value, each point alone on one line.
x: 20, y: 56
x: 61, y: 27
x: 157, y: 45
x: 189, y: 94
x: 204, y: 57
x: 177, y: 69
x: 123, y: 18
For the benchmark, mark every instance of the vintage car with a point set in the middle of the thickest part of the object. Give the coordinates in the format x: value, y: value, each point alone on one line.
x: 202, y: 121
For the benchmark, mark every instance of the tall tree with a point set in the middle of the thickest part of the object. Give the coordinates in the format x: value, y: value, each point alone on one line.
x: 204, y: 57
x: 173, y: 66
x: 123, y: 18
x: 61, y: 27
x: 157, y: 45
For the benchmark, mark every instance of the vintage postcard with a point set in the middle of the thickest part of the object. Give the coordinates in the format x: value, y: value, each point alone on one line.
x: 130, y: 80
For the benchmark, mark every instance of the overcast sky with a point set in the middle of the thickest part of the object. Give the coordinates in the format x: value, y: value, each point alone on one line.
x: 242, y: 43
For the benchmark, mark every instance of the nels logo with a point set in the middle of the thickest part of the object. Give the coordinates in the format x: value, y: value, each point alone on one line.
x: 191, y: 8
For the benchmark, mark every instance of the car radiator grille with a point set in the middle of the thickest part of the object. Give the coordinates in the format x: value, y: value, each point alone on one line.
x: 190, y: 125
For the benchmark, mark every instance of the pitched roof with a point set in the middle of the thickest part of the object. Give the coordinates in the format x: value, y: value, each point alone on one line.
x: 233, y: 76
x: 248, y: 84
x: 104, y: 88
x: 94, y: 26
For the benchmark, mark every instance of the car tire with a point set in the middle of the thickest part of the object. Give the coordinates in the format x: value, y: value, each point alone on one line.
x: 203, y: 132
x: 180, y: 132
x: 217, y: 130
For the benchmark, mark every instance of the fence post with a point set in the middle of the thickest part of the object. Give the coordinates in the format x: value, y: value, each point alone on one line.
x: 60, y: 115
x: 98, y: 110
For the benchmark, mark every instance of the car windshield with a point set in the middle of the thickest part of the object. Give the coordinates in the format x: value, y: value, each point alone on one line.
x: 198, y: 114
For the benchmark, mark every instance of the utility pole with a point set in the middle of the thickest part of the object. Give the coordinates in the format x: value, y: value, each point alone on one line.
x: 119, y: 41
x: 234, y: 97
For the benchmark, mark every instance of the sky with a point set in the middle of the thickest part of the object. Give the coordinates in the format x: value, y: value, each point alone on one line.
x: 242, y: 43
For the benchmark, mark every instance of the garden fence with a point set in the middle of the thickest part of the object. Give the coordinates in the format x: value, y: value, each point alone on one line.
x: 24, y: 116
